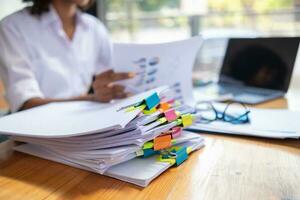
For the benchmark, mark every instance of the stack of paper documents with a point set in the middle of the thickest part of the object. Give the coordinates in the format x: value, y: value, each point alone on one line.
x: 269, y: 123
x: 108, y: 139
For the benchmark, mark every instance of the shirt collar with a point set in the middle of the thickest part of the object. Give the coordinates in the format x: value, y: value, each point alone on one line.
x: 51, y: 17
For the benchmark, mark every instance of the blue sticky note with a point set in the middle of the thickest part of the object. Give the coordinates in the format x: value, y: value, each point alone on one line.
x: 152, y: 101
x: 149, y: 152
x: 181, y: 155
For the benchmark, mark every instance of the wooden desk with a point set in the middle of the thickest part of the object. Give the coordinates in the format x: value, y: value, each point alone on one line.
x: 228, y: 167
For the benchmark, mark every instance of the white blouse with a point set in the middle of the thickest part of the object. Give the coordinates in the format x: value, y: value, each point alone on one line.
x: 37, y: 59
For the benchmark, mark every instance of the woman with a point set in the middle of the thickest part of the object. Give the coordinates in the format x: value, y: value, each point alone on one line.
x: 51, y: 51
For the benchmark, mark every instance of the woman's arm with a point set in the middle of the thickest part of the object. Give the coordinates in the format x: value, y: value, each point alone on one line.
x: 34, y: 102
x: 105, y: 90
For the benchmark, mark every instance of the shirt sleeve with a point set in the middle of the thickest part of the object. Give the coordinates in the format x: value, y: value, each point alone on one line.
x: 104, y: 57
x: 16, y: 69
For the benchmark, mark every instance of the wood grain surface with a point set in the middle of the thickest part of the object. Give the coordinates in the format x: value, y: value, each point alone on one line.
x: 229, y: 167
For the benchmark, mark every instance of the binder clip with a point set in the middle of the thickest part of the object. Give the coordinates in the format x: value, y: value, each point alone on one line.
x: 170, y: 115
x: 149, y: 152
x: 164, y: 106
x: 162, y: 142
x: 152, y: 101
x: 175, y: 155
x: 147, y: 104
x: 148, y: 145
x: 185, y: 120
x: 174, y: 132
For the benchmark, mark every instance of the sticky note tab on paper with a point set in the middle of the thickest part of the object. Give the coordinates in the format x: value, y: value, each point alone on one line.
x: 176, y: 132
x: 162, y: 142
x: 187, y: 120
x: 149, y: 112
x: 149, y: 152
x: 181, y: 155
x: 148, y: 145
x: 164, y: 106
x: 152, y: 101
x: 170, y: 115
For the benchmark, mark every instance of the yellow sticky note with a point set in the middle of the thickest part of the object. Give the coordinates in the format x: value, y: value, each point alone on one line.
x: 187, y: 120
x: 149, y: 112
x: 162, y: 120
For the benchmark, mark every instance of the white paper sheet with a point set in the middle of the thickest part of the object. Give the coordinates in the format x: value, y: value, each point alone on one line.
x: 270, y: 123
x: 137, y: 171
x: 68, y: 119
x: 159, y: 64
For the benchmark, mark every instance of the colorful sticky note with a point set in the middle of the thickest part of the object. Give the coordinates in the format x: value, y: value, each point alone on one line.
x: 164, y: 106
x: 170, y: 115
x: 162, y: 120
x: 148, y: 145
x: 181, y: 155
x: 176, y: 132
x: 149, y: 112
x: 152, y: 101
x: 187, y: 120
x: 162, y: 142
x: 149, y: 152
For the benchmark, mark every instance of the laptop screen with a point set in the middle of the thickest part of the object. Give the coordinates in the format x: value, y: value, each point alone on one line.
x: 260, y: 62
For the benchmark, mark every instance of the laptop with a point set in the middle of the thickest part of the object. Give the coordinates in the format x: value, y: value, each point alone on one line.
x: 257, y: 70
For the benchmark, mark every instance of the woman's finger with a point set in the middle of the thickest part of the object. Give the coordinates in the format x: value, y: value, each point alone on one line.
x: 117, y: 88
x: 121, y: 95
x: 122, y: 76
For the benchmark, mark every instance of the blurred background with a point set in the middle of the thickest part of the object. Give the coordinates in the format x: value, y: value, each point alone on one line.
x: 152, y: 21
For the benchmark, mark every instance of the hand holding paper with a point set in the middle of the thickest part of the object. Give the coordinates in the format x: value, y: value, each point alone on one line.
x: 106, y: 88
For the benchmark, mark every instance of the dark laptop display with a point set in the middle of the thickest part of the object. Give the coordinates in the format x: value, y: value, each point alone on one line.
x: 260, y: 62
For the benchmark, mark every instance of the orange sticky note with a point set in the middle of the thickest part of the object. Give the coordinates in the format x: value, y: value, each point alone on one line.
x: 162, y: 142
x: 164, y: 106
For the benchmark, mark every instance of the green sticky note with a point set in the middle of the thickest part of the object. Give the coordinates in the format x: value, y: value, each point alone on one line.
x: 148, y: 145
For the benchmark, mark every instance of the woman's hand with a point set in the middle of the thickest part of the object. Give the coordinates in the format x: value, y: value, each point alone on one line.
x: 106, y: 90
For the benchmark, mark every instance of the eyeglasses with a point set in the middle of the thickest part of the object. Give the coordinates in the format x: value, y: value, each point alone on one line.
x: 235, y: 113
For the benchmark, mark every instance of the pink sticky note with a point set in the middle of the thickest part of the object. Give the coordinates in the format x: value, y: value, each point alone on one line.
x: 170, y: 115
x: 176, y: 132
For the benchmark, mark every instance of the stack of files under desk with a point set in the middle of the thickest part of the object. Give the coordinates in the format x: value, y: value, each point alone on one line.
x: 133, y: 140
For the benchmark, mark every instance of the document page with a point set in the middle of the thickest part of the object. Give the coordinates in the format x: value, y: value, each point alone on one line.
x: 159, y: 64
